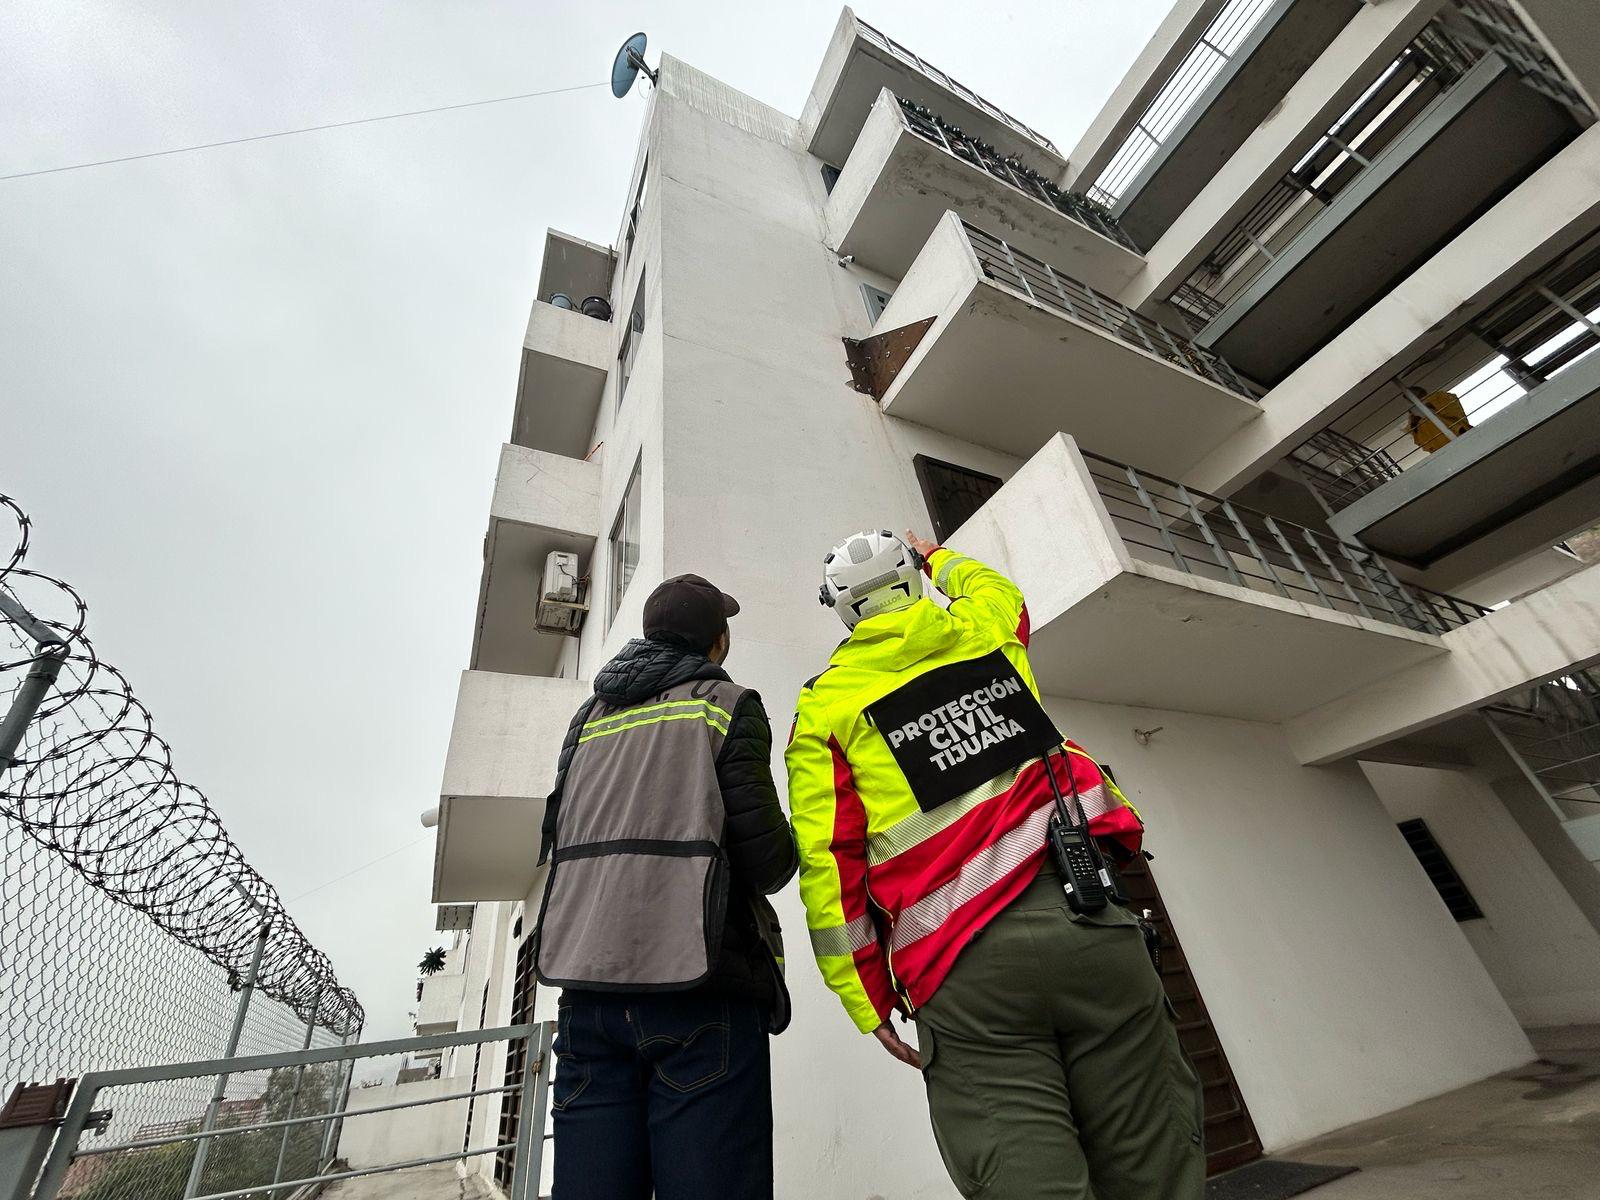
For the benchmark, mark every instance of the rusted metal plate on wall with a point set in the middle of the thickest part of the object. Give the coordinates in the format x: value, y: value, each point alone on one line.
x: 876, y: 360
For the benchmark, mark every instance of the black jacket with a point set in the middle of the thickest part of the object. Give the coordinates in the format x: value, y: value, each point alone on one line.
x: 757, y: 840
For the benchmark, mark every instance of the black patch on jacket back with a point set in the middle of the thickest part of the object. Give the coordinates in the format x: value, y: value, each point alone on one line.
x: 961, y: 725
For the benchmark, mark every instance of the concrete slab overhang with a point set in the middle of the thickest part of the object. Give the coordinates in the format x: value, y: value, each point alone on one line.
x: 1473, y: 144
x: 1008, y: 368
x: 1250, y: 85
x: 542, y: 503
x: 1538, y: 637
x: 499, y: 768
x: 1113, y: 627
x: 897, y: 184
x: 1526, y: 478
x: 565, y: 357
x: 861, y: 61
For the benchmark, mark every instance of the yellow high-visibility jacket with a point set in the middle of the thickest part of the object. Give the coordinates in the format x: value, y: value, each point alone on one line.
x: 894, y: 888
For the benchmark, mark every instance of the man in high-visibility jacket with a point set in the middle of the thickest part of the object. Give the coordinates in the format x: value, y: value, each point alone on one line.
x: 920, y: 803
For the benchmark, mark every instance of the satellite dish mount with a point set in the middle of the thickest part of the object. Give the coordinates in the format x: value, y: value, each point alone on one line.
x: 626, y: 66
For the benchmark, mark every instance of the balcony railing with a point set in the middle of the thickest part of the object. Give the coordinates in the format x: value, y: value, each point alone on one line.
x: 1554, y: 729
x: 929, y: 126
x: 1440, y: 55
x: 1541, y: 328
x: 1046, y: 286
x: 911, y: 58
x: 1208, y: 536
x: 1178, y: 94
x: 1424, y: 70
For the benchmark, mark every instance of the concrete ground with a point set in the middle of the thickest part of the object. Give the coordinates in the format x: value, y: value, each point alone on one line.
x: 1532, y: 1134
x: 419, y: 1183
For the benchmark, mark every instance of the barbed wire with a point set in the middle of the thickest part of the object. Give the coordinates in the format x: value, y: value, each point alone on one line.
x: 92, y: 781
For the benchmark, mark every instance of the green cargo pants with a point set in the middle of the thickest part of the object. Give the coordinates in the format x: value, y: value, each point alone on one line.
x: 1052, y: 1062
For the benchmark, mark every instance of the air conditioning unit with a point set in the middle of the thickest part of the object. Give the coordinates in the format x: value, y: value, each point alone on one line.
x: 562, y: 595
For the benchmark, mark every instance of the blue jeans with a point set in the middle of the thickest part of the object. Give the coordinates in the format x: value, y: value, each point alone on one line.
x: 664, y: 1092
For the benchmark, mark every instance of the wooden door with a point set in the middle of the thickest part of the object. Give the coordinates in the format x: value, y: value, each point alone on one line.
x: 1229, y: 1132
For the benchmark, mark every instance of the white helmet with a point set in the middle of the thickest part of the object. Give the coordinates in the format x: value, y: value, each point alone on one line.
x: 870, y: 573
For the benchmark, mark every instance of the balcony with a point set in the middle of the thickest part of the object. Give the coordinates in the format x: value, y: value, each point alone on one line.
x: 997, y: 347
x: 1443, y: 134
x: 574, y: 270
x: 1147, y: 593
x: 439, y: 1005
x: 1238, y: 71
x: 565, y: 357
x: 861, y: 62
x: 910, y: 165
x: 1485, y: 449
x: 542, y: 503
x: 498, y: 770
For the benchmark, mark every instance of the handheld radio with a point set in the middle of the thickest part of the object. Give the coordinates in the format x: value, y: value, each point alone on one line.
x: 1083, y: 871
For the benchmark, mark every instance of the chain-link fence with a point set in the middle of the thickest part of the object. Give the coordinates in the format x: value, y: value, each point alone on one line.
x: 132, y: 930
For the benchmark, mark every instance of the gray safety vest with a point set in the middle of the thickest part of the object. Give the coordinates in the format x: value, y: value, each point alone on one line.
x: 638, y: 885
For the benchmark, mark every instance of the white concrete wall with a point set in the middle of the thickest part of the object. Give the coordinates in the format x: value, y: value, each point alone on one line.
x: 404, y: 1133
x: 769, y: 458
x: 1338, y: 983
x: 1541, y: 952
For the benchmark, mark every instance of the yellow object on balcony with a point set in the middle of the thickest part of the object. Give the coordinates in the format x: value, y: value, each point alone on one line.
x: 1427, y: 433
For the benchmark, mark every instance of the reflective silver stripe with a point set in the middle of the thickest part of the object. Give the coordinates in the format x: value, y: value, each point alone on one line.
x: 837, y: 941
x: 979, y: 873
x: 920, y: 826
x: 950, y: 564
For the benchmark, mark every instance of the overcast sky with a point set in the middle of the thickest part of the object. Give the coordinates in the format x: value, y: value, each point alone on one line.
x: 253, y: 396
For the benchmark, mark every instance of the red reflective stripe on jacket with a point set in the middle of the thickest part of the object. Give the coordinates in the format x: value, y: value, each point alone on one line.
x: 849, y: 855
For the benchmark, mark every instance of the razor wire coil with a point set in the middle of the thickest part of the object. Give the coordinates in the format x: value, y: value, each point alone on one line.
x: 91, y: 781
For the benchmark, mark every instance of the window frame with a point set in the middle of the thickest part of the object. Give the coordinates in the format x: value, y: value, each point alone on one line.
x: 632, y: 335
x: 876, y: 300
x: 926, y: 465
x: 639, y: 196
x: 625, y: 523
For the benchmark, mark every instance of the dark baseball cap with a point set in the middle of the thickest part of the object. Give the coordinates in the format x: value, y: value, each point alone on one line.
x: 689, y: 606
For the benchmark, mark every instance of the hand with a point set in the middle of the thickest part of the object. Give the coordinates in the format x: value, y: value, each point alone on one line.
x: 921, y: 546
x: 891, y: 1042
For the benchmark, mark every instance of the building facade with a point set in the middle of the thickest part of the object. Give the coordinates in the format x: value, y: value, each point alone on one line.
x: 1276, y: 397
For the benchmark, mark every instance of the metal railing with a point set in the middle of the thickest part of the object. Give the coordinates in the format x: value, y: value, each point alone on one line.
x: 1207, y: 536
x: 1495, y: 25
x: 929, y: 126
x: 1421, y: 73
x: 1044, y: 285
x: 1552, y: 730
x: 912, y: 59
x: 72, y: 1164
x: 1204, y: 62
x: 1543, y: 326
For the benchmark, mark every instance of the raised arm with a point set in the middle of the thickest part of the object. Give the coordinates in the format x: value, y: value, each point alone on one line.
x: 996, y: 599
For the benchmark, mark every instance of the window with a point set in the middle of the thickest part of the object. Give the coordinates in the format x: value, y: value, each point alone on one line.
x: 952, y: 493
x: 877, y: 300
x: 830, y: 176
x: 1440, y: 871
x: 629, y: 352
x: 638, y: 207
x: 624, y: 544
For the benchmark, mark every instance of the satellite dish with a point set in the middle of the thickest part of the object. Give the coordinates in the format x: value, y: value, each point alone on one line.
x: 627, y: 65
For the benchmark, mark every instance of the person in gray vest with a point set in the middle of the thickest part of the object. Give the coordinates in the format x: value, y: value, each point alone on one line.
x: 664, y: 834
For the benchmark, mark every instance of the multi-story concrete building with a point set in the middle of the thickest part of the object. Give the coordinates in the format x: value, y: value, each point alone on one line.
x: 1275, y: 394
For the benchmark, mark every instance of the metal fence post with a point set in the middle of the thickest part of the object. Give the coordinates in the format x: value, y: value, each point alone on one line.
x: 35, y: 686
x: 72, y: 1127
x: 294, y: 1094
x: 528, y: 1163
x: 202, y: 1150
x: 330, y: 1144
